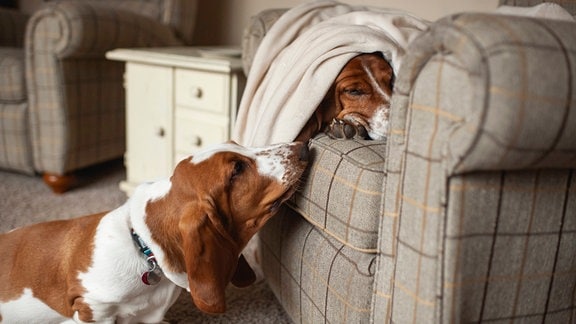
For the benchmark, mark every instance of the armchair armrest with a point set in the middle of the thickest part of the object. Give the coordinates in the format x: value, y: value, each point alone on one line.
x: 12, y: 27
x: 490, y: 92
x: 90, y: 29
x: 482, y: 148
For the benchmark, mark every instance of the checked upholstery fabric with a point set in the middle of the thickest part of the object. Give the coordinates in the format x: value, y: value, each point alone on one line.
x: 468, y: 212
x: 61, y: 101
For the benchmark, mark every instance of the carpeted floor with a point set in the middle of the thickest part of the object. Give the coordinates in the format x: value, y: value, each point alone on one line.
x: 25, y: 200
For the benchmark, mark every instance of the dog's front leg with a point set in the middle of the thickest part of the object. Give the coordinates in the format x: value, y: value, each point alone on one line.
x: 345, y: 129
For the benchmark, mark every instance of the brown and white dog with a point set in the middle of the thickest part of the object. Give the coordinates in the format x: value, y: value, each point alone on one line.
x: 129, y: 265
x: 357, y: 105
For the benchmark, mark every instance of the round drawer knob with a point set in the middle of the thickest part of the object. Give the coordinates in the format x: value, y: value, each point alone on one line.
x: 160, y: 132
x: 197, y: 92
x: 196, y: 141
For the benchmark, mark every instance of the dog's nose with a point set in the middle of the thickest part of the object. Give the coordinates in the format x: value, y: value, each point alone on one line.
x: 304, y: 153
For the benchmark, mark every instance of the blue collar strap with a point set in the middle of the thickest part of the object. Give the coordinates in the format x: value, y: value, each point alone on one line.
x: 154, y: 273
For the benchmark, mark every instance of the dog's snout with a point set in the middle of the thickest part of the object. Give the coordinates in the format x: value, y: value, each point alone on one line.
x: 304, y: 153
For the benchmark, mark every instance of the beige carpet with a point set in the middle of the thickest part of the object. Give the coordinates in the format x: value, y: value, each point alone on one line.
x: 25, y: 200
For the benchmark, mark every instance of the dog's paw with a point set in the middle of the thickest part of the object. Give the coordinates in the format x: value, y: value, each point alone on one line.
x: 344, y: 129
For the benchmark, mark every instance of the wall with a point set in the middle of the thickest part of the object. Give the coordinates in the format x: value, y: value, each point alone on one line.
x: 220, y: 22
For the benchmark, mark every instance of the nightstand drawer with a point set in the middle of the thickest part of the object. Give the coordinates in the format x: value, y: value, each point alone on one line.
x: 196, y: 130
x: 179, y: 100
x: 202, y: 90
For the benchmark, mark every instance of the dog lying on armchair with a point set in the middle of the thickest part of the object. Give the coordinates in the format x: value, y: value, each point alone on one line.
x: 358, y: 102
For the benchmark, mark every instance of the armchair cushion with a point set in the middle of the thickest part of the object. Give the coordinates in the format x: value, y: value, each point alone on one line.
x: 12, y: 82
x: 342, y: 195
x: 317, y: 278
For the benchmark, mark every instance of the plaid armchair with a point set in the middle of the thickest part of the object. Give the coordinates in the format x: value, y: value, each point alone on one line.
x: 61, y: 101
x: 468, y: 212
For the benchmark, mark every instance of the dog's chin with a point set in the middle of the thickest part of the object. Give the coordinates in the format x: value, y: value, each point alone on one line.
x: 376, y: 136
x: 378, y: 132
x: 378, y: 125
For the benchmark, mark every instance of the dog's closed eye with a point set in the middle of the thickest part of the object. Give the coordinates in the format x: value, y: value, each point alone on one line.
x: 354, y: 91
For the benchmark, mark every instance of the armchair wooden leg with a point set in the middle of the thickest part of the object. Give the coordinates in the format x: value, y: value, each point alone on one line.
x: 59, y: 183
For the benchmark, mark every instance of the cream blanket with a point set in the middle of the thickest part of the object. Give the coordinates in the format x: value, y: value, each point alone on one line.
x: 301, y: 56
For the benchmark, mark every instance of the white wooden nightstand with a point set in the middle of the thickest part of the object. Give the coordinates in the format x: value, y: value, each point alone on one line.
x: 178, y: 100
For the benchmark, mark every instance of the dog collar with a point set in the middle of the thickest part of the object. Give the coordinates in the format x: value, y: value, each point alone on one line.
x: 154, y: 273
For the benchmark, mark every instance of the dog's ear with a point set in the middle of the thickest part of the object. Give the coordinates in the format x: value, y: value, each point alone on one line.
x: 318, y: 121
x: 330, y: 105
x: 210, y: 254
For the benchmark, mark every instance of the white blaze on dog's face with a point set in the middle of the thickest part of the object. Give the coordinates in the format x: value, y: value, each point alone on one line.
x: 217, y: 201
x: 256, y: 180
x: 363, y: 91
x: 378, y: 123
x: 270, y: 161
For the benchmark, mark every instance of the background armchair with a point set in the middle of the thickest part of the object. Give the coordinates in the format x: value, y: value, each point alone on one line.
x: 468, y: 212
x: 61, y: 101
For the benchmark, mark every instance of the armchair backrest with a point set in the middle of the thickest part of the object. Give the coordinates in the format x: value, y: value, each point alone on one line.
x: 569, y: 5
x: 180, y: 15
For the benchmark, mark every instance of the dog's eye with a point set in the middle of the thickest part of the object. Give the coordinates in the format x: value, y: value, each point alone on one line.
x: 239, y: 167
x: 354, y: 91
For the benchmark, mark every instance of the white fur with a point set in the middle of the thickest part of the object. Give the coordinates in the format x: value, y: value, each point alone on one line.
x: 378, y: 123
x: 219, y: 148
x: 269, y: 160
x: 33, y: 308
x: 143, y: 194
x: 111, y: 279
x: 374, y: 84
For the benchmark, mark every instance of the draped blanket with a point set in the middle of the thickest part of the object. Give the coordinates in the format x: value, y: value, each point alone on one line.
x: 302, y: 54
